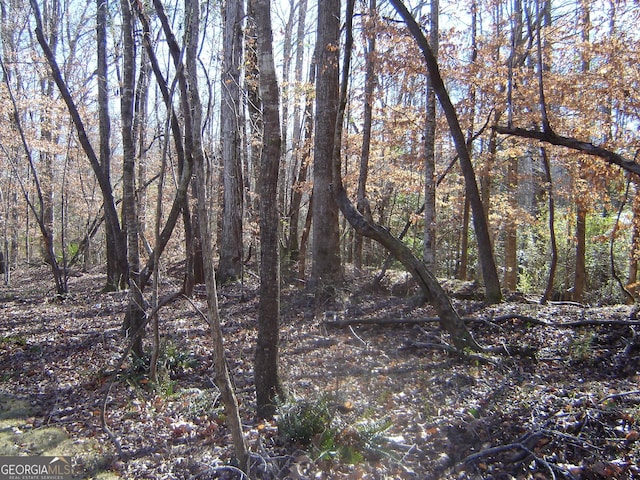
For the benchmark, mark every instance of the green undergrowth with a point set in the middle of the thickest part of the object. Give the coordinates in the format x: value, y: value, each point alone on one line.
x: 330, y: 430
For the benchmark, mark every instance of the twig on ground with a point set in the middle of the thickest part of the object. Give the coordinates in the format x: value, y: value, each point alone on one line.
x: 105, y: 426
x: 613, y: 396
x: 525, y: 444
x: 366, y: 345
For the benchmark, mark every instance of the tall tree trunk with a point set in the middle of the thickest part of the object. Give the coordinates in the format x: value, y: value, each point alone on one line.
x: 463, y: 259
x: 222, y: 376
x: 267, y: 379
x: 287, y: 49
x: 230, y: 267
x: 511, y: 227
x: 489, y: 272
x: 429, y: 247
x: 303, y: 150
x: 580, y: 278
x: 300, y: 151
x: 464, y: 242
x: 113, y: 275
x: 140, y: 133
x: 51, y: 19
x: 511, y: 177
x: 254, y: 109
x: 362, y: 203
x: 552, y: 229
x: 135, y: 316
x: 326, y: 266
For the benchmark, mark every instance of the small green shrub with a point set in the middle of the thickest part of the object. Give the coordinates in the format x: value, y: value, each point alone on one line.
x: 301, y: 421
x: 17, y: 340
x: 581, y: 347
x: 172, y: 358
x: 329, y: 435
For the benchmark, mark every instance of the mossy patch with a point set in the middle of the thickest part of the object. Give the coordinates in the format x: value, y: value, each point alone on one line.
x: 17, y: 437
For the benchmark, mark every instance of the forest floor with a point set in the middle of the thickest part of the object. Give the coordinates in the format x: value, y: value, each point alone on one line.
x: 390, y: 401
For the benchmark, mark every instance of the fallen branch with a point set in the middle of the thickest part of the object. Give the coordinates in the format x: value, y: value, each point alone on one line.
x: 340, y: 322
x: 614, y: 396
x: 526, y: 445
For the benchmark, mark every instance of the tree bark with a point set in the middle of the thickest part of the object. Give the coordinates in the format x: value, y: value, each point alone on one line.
x: 326, y: 265
x: 51, y: 19
x: 429, y: 238
x: 104, y: 119
x: 552, y: 229
x: 223, y: 378
x: 254, y: 109
x: 135, y: 315
x: 231, y: 248
x: 267, y: 379
x: 362, y: 203
x: 300, y: 143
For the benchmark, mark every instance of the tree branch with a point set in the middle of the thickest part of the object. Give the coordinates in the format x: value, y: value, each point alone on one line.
x: 573, y: 143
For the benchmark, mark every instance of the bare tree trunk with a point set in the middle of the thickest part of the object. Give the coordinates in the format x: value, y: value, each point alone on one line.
x: 463, y: 255
x: 304, y: 241
x: 267, y: 379
x: 230, y: 267
x: 429, y: 247
x: 489, y: 272
x: 580, y: 278
x: 326, y: 265
x: 464, y: 242
x: 304, y: 151
x: 140, y: 132
x: 287, y: 49
x: 51, y: 14
x: 511, y: 177
x: 511, y: 227
x: 114, y: 277
x: 223, y: 379
x: 552, y: 229
x: 135, y: 316
x: 362, y: 203
x: 254, y: 109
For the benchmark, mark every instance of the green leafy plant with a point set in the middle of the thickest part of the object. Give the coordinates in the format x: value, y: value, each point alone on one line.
x: 582, y: 345
x: 328, y: 435
x: 173, y: 358
x: 301, y: 421
x: 18, y: 340
x: 203, y: 402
